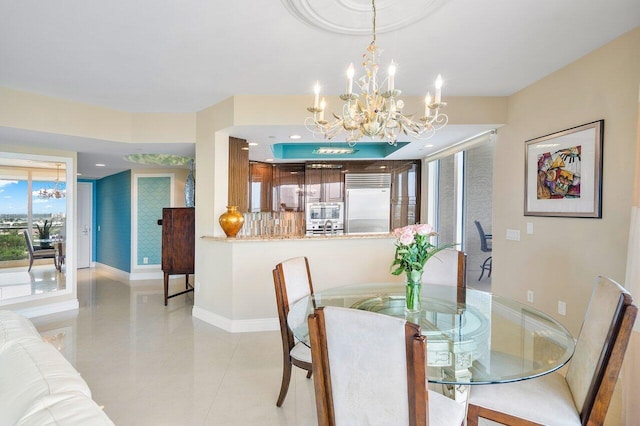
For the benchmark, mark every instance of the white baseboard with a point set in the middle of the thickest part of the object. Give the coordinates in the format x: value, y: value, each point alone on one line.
x: 154, y: 274
x: 236, y: 326
x: 114, y: 272
x: 150, y: 275
x: 52, y: 308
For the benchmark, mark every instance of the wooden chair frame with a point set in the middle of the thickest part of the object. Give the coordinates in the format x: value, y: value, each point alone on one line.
x: 38, y: 254
x: 416, y: 374
x: 288, y: 340
x: 604, y: 380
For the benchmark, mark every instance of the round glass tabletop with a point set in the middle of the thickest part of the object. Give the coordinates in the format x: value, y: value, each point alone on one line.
x: 472, y: 337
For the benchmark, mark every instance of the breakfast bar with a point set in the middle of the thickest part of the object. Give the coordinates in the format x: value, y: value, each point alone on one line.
x: 241, y: 296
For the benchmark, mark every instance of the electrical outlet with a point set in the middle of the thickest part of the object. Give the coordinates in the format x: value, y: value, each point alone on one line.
x: 145, y: 260
x: 562, y: 307
x: 530, y: 296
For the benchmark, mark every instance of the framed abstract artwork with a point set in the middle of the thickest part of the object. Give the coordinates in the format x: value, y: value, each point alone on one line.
x: 563, y: 173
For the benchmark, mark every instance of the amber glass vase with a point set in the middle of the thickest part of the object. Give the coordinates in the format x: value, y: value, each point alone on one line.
x: 231, y: 221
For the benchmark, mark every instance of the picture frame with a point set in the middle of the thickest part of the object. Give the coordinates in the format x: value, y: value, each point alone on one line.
x: 563, y: 173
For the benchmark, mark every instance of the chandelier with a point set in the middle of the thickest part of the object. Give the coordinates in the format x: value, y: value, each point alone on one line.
x: 54, y: 192
x: 376, y: 112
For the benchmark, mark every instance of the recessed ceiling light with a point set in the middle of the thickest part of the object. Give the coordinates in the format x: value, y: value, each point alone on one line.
x: 295, y: 137
x: 100, y: 165
x: 269, y: 159
x: 253, y: 143
x: 428, y: 146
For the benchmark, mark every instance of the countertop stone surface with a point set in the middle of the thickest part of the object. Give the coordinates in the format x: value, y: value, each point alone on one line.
x: 299, y: 237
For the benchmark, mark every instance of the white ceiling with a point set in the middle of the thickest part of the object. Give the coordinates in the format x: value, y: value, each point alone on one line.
x: 183, y: 56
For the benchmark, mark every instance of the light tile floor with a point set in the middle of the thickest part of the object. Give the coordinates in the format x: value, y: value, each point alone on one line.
x: 148, y: 364
x: 154, y: 365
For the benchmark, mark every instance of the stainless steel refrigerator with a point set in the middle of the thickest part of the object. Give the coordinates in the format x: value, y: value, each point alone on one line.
x: 368, y: 203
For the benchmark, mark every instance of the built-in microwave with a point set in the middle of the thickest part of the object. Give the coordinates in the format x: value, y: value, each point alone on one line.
x: 325, y: 218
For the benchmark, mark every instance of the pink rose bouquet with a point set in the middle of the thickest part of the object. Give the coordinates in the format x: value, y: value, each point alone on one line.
x: 413, y: 248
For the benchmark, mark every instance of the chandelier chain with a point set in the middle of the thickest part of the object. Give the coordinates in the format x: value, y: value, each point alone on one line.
x: 373, y: 5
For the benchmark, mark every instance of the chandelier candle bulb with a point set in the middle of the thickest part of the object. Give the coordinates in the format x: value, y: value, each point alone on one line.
x: 427, y: 102
x: 323, y: 104
x: 316, y: 91
x: 392, y: 73
x: 350, y: 73
x: 438, y: 89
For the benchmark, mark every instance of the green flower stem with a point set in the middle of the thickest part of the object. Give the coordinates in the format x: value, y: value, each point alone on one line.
x: 414, y: 285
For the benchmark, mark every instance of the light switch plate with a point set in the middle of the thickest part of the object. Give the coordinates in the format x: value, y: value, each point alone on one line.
x: 529, y: 228
x: 513, y: 234
x: 562, y: 307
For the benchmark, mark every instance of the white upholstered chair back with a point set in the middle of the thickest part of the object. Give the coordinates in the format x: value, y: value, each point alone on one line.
x: 593, y: 342
x: 297, y: 279
x: 361, y: 347
x: 447, y: 267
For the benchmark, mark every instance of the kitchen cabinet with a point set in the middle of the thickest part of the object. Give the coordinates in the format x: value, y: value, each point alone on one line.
x: 324, y: 185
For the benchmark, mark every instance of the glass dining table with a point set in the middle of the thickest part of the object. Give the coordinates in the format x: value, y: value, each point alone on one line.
x: 473, y: 337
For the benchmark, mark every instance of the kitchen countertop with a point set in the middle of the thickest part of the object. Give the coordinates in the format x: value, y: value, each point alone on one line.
x: 299, y: 237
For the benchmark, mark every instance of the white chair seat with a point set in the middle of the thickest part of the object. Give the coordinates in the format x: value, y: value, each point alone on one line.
x: 301, y: 352
x: 445, y: 411
x: 546, y: 400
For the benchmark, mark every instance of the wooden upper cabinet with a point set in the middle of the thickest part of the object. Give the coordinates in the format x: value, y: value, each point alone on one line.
x: 261, y: 186
x: 238, y: 174
x: 324, y: 185
x: 333, y: 185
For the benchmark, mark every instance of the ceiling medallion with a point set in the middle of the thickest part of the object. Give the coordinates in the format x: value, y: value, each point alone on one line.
x: 353, y: 17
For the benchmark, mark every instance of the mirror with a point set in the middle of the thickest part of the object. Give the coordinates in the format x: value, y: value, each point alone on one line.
x: 35, y: 198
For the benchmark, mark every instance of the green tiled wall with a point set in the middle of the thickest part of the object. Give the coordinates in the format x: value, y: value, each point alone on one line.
x: 154, y: 193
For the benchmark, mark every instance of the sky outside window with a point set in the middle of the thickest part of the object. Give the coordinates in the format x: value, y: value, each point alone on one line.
x: 13, y: 198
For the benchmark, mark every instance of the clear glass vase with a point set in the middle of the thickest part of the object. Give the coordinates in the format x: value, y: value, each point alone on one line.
x: 414, y: 286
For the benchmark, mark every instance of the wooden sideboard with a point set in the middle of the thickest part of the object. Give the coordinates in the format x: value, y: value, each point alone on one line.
x: 178, y: 246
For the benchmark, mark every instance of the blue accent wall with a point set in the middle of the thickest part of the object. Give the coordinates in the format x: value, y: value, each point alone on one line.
x: 154, y: 193
x: 113, y: 215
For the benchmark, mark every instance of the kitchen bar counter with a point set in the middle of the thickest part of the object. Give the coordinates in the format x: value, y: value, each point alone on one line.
x: 299, y: 237
x: 235, y: 292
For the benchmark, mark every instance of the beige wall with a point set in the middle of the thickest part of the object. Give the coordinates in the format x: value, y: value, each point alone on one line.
x: 563, y: 257
x: 561, y: 260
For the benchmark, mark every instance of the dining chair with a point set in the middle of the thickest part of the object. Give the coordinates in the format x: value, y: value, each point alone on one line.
x: 583, y: 396
x: 448, y: 267
x: 485, y: 247
x: 292, y: 282
x: 38, y: 253
x: 369, y: 369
